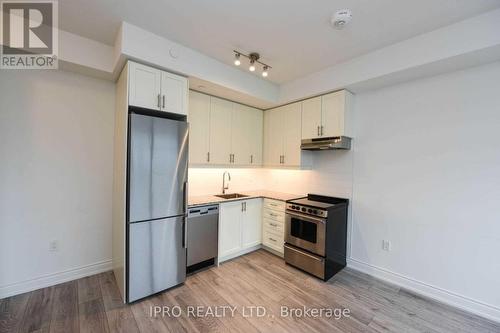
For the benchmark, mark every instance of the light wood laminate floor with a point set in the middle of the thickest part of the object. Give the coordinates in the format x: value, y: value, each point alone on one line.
x: 93, y: 304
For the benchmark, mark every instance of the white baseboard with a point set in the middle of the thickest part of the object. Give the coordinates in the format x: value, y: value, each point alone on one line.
x: 55, y: 278
x: 482, y: 309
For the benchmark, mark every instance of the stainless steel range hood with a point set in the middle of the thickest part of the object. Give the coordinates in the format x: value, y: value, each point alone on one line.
x: 330, y: 143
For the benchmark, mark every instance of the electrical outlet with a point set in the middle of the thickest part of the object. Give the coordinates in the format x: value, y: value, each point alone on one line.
x: 386, y: 245
x: 53, y: 246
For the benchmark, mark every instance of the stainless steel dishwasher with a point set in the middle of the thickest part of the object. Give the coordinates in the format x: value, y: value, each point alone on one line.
x: 202, y: 237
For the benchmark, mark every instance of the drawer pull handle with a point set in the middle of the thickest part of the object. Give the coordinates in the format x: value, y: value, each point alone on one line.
x: 275, y: 215
x: 272, y: 239
x: 273, y: 224
x: 273, y: 204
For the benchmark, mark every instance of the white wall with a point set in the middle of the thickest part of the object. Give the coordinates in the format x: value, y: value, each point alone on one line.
x: 56, y: 148
x: 427, y: 178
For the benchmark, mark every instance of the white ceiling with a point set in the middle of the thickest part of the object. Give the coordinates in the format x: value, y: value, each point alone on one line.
x: 293, y: 36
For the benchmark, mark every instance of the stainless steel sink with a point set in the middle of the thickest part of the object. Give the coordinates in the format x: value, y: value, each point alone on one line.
x: 231, y: 196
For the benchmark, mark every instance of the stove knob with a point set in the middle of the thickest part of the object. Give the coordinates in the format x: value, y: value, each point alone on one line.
x: 315, y: 212
x: 309, y: 210
x: 292, y: 207
x: 303, y: 209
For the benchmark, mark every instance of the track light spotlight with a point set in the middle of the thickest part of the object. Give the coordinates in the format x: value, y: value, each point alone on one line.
x: 265, y: 71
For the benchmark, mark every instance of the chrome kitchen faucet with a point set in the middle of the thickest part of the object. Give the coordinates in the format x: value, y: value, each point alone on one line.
x: 224, y: 186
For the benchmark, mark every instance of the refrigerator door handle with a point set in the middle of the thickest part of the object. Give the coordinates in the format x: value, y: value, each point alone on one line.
x: 185, y: 199
x: 184, y: 233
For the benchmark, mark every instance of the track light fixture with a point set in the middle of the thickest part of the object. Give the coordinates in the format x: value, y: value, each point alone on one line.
x: 253, y: 59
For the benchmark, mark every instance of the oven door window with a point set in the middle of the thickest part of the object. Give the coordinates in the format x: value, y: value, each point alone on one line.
x: 303, y: 229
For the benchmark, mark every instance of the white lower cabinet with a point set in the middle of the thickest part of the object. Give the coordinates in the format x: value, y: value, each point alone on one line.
x: 273, y: 220
x: 240, y: 227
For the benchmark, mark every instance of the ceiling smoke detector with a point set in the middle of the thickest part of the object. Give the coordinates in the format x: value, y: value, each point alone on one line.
x: 341, y: 18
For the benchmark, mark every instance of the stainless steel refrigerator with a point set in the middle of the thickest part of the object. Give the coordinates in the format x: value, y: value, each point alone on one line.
x: 157, y: 204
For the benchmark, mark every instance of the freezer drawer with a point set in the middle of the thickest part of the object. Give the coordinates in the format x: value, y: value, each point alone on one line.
x: 157, y: 256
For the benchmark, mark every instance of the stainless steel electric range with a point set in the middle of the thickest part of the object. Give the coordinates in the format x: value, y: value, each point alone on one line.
x: 316, y: 234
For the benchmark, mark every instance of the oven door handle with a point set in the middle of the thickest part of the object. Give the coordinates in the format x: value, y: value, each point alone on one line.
x: 307, y: 217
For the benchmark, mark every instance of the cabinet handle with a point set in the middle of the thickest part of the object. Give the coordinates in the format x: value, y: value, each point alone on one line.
x: 245, y: 206
x: 251, y: 159
x: 273, y: 224
x: 318, y: 131
x: 208, y: 156
x: 275, y: 215
x: 273, y: 204
x: 321, y: 130
x: 159, y: 100
x: 272, y: 239
x: 163, y: 99
x: 283, y: 159
x: 230, y: 158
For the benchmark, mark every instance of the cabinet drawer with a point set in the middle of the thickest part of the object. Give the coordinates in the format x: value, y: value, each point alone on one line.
x: 274, y: 215
x: 274, y: 204
x: 273, y: 226
x: 273, y: 241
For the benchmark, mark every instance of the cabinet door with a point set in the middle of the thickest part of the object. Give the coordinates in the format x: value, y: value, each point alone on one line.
x: 230, y: 216
x: 273, y: 144
x: 251, y: 233
x: 220, y: 130
x: 173, y: 93
x: 247, y: 134
x: 256, y: 123
x: 311, y: 118
x: 292, y: 134
x: 199, y: 127
x: 144, y: 86
x: 241, y: 134
x: 333, y: 114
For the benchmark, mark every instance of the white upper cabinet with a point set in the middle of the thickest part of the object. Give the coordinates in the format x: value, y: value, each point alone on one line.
x: 144, y: 86
x: 199, y: 128
x: 311, y: 118
x: 223, y: 132
x: 336, y: 114
x: 154, y: 89
x: 282, y: 137
x: 240, y: 137
x: 174, y: 89
x: 273, y: 137
x: 326, y: 116
x: 246, y: 143
x: 256, y: 135
x: 220, y: 131
x: 291, y: 135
